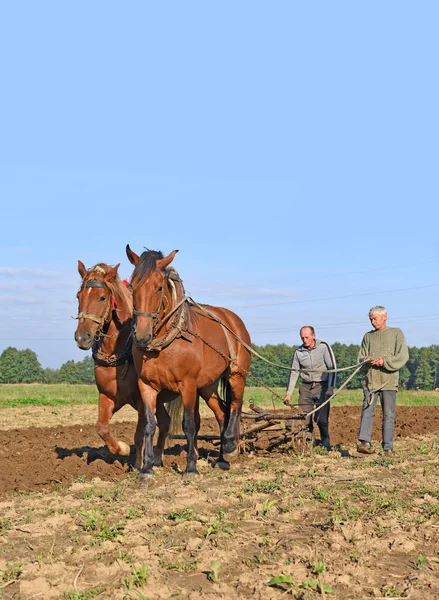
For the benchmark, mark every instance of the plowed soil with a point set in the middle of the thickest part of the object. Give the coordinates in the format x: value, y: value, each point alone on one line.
x: 34, y: 457
x: 284, y: 521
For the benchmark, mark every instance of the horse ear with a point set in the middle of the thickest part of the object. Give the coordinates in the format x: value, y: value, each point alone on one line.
x: 110, y: 276
x: 132, y: 256
x: 81, y: 269
x: 164, y: 262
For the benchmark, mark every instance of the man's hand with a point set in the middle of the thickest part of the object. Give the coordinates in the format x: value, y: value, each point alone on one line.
x: 378, y: 362
x: 287, y: 398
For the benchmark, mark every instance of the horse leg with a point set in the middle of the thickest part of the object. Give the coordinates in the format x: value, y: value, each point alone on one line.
x: 214, y: 402
x: 149, y: 398
x: 191, y: 426
x: 139, y: 437
x: 230, y: 438
x: 107, y: 408
x: 163, y: 420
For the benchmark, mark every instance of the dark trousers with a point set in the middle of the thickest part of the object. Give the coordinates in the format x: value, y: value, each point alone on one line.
x: 388, y: 404
x: 312, y: 395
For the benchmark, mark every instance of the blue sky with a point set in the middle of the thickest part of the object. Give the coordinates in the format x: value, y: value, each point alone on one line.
x: 288, y: 150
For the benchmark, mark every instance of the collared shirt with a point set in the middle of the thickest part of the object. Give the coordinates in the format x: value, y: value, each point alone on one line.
x: 320, y: 358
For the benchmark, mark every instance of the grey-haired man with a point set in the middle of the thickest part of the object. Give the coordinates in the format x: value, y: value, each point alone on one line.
x: 386, y: 351
x: 317, y: 385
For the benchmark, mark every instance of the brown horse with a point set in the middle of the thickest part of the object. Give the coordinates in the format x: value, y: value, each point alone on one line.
x: 186, y: 349
x: 105, y: 324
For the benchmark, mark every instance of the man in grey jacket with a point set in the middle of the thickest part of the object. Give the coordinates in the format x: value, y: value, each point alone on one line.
x: 316, y: 386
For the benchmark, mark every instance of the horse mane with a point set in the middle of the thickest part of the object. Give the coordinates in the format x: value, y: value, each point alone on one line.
x: 146, y: 265
x: 120, y: 292
x: 176, y: 288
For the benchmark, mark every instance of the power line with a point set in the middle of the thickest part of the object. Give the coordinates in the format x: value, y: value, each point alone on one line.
x: 421, y: 287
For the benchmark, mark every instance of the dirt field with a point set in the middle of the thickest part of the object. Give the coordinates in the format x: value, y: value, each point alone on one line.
x: 76, y: 524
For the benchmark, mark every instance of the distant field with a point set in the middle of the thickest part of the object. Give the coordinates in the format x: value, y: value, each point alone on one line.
x: 65, y: 394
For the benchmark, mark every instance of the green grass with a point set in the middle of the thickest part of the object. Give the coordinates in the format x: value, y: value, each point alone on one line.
x: 39, y: 394
x: 263, y: 397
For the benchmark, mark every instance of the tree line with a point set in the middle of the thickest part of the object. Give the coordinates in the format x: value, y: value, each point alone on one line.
x: 421, y: 371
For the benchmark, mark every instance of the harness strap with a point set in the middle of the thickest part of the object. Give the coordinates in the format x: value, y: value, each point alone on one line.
x: 96, y: 318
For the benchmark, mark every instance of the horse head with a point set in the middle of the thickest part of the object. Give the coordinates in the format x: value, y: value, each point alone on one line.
x: 95, y: 302
x: 149, y: 286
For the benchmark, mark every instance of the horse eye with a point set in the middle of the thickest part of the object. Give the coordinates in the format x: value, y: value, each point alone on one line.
x: 160, y: 289
x: 102, y: 298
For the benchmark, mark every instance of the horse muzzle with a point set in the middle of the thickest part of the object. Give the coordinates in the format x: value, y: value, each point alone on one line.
x: 84, y: 340
x: 142, y: 342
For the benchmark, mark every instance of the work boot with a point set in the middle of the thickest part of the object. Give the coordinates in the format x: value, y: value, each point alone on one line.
x: 324, y: 436
x: 388, y: 453
x: 364, y: 447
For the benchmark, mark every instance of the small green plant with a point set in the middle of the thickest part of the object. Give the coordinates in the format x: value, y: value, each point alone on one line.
x: 138, y: 577
x: 321, y: 494
x: 91, y: 520
x: 182, y: 515
x: 267, y: 506
x: 218, y: 525
x: 86, y: 595
x: 420, y: 562
x: 182, y: 565
x: 317, y: 567
x: 212, y: 575
x: 135, y: 512
x: 97, y: 525
x: 281, y: 580
x: 5, y: 525
x: 315, y: 585
x: 11, y: 572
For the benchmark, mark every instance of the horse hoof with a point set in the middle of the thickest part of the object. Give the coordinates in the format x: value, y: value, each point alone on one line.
x: 124, y: 449
x: 190, y: 474
x: 221, y: 464
x: 231, y: 456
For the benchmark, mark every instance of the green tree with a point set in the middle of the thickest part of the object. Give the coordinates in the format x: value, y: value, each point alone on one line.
x: 20, y: 366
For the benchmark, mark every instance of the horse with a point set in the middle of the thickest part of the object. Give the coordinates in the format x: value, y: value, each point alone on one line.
x: 186, y: 349
x: 105, y: 324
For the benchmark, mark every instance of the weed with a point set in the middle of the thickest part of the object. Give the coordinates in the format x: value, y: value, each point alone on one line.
x: 11, y: 573
x: 420, y: 562
x: 98, y: 526
x: 321, y: 494
x: 264, y: 487
x: 135, y: 512
x: 317, y: 567
x: 212, y: 575
x: 428, y: 510
x: 124, y: 556
x: 88, y: 493
x: 182, y: 515
x: 138, y: 577
x: 266, y: 507
x: 182, y: 565
x: 5, y: 525
x: 86, y: 595
x: 218, y: 526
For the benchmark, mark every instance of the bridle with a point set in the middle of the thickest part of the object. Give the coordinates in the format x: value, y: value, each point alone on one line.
x: 155, y: 315
x: 93, y: 283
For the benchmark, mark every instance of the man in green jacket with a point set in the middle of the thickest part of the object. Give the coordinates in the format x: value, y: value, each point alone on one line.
x: 386, y: 351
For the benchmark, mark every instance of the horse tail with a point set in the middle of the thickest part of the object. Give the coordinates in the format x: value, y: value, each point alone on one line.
x: 175, y: 411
